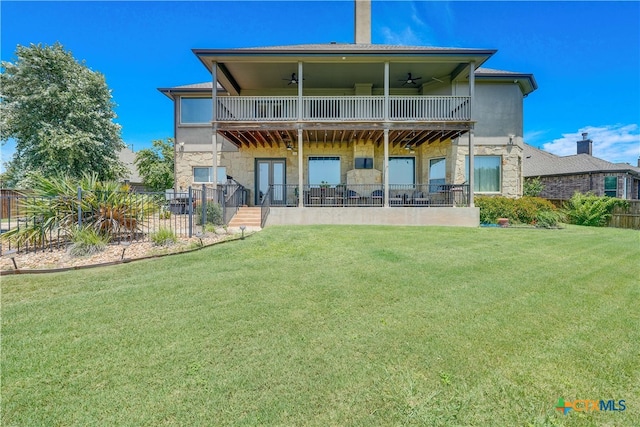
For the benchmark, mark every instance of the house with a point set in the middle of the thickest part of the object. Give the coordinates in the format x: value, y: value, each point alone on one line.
x: 562, y: 176
x: 354, y: 133
x: 132, y: 177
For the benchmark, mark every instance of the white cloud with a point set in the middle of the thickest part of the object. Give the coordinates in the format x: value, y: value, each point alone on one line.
x: 614, y: 143
x: 405, y: 38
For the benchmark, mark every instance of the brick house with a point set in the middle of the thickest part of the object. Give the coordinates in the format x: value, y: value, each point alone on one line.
x: 562, y: 176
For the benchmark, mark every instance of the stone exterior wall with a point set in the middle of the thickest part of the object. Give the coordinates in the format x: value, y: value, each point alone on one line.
x: 241, y: 164
x: 511, y: 165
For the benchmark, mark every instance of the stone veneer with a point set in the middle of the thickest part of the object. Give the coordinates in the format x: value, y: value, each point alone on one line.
x: 240, y: 164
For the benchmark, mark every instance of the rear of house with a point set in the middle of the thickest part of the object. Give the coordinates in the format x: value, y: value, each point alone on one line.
x: 328, y: 127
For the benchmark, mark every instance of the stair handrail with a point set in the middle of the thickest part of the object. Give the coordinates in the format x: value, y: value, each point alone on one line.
x: 265, y: 207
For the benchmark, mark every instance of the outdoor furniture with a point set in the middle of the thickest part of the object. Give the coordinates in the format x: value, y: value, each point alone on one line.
x: 315, y: 196
x: 418, y: 198
x: 377, y: 196
x: 396, y: 198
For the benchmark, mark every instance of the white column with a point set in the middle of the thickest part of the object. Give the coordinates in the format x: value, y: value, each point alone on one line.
x: 386, y: 91
x: 386, y: 167
x: 214, y: 119
x: 472, y: 83
x: 300, y: 171
x: 385, y: 172
x: 300, y: 79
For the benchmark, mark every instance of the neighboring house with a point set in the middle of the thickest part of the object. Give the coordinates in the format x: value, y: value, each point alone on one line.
x: 357, y: 125
x: 562, y: 176
x: 128, y: 158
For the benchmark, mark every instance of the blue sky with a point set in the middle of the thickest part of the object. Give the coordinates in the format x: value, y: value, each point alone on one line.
x: 585, y: 56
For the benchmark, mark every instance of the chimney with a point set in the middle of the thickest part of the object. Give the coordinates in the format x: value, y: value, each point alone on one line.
x: 363, y: 21
x: 586, y: 145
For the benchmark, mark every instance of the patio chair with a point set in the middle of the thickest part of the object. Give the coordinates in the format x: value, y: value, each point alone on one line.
x: 353, y: 198
x: 418, y: 198
x: 315, y: 196
x: 377, y: 196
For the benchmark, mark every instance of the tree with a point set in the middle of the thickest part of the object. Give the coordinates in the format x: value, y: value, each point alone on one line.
x: 60, y: 114
x: 155, y: 165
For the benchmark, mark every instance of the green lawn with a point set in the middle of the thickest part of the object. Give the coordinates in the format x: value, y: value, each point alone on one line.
x: 334, y: 326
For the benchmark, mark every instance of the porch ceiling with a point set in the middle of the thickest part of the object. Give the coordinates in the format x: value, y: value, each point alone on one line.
x: 399, y: 137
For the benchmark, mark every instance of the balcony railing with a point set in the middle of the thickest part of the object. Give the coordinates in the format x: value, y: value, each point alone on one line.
x: 425, y: 195
x: 343, y: 108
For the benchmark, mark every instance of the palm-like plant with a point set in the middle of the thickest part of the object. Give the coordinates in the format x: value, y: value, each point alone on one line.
x: 54, y: 207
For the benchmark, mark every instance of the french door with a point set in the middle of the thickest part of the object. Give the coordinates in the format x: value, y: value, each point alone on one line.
x: 270, y: 172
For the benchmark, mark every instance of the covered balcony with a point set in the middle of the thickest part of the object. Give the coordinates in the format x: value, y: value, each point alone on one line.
x: 321, y: 109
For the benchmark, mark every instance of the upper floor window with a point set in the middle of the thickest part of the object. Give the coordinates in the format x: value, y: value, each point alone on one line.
x: 487, y: 173
x: 196, y: 110
x: 611, y: 186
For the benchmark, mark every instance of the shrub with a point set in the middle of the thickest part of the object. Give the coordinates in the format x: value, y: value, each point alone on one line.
x: 591, y: 210
x: 52, y: 207
x: 532, y: 187
x: 525, y: 210
x: 165, y: 213
x: 492, y: 208
x: 87, y: 241
x: 548, y: 219
x: 163, y: 237
x: 213, y: 213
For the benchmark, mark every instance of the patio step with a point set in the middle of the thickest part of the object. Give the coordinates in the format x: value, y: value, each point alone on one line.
x: 247, y: 216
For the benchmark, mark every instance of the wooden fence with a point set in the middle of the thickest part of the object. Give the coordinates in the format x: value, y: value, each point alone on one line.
x: 621, y: 217
x: 626, y: 217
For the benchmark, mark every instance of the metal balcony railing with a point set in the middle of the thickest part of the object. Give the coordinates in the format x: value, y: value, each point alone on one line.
x: 342, y: 195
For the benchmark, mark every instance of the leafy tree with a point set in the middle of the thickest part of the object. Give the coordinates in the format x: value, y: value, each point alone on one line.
x: 155, y: 165
x: 60, y: 114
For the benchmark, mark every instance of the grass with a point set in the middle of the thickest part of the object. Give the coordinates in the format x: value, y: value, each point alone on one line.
x: 334, y: 326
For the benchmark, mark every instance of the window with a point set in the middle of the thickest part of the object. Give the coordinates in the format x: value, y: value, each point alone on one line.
x: 364, y: 163
x: 487, y: 173
x: 437, y: 174
x: 196, y: 110
x: 324, y: 170
x: 611, y: 186
x: 402, y: 170
x: 203, y: 174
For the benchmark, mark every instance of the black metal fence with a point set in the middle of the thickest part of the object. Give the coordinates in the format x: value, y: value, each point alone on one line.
x: 31, y: 223
x: 440, y: 195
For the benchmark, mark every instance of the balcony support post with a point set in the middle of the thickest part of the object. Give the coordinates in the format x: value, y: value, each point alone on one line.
x: 214, y: 119
x: 386, y: 91
x: 386, y: 167
x: 472, y: 82
x: 300, y: 92
x: 300, y: 171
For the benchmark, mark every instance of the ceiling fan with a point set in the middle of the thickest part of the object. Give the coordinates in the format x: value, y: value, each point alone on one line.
x: 410, y: 80
x: 292, y: 80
